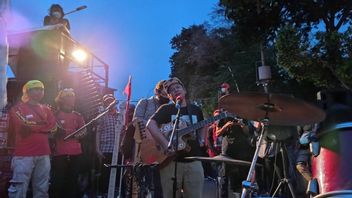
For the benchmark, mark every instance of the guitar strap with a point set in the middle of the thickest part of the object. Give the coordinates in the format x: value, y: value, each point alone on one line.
x: 145, y: 108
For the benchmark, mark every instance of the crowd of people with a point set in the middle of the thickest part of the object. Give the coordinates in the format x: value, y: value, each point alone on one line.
x: 52, y: 165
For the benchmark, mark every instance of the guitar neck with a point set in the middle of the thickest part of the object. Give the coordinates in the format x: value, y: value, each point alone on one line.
x: 201, y: 124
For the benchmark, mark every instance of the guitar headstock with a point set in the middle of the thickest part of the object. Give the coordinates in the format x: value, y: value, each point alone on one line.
x: 226, y: 114
x: 139, y: 133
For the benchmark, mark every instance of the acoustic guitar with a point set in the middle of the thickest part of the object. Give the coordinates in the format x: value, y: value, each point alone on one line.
x: 138, y: 136
x: 152, y: 152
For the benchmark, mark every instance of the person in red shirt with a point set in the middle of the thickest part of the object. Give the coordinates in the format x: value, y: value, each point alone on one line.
x: 213, y: 141
x: 67, y: 155
x: 30, y: 123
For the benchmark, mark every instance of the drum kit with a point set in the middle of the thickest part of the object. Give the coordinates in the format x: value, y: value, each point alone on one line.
x: 273, y: 109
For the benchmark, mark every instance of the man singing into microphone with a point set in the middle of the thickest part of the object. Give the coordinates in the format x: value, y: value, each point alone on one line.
x: 190, y: 174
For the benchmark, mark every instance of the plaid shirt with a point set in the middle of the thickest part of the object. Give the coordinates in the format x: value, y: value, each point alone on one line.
x: 106, y: 130
x: 4, y: 123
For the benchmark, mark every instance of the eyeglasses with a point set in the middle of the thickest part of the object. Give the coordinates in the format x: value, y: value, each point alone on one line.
x: 175, y: 87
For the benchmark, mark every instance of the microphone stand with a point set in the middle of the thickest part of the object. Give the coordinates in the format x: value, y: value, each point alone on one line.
x: 90, y: 122
x: 169, y: 146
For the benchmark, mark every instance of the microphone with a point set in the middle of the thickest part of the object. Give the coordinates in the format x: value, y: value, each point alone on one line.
x: 81, y: 8
x: 75, y: 10
x: 178, y: 102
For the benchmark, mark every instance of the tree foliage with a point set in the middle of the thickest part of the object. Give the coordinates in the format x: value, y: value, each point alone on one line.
x: 312, y: 37
x: 206, y: 57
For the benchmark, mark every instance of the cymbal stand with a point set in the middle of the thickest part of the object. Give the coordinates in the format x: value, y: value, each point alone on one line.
x: 247, y: 184
x: 220, y: 182
x: 285, y: 179
x: 263, y: 78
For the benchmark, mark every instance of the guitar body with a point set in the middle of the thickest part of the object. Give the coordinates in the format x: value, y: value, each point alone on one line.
x: 152, y: 152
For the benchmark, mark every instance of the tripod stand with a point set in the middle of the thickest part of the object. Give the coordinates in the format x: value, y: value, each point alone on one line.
x: 285, y: 179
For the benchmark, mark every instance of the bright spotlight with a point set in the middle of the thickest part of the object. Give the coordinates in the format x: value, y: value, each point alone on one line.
x: 80, y: 55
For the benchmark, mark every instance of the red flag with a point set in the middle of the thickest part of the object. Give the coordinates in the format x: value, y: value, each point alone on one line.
x: 127, y: 90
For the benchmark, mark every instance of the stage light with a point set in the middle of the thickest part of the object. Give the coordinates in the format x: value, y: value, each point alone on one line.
x: 80, y: 55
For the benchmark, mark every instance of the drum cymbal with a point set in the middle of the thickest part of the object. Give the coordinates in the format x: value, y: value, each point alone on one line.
x: 280, y: 109
x: 221, y: 158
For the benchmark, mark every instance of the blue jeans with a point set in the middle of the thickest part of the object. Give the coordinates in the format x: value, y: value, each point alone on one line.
x: 25, y: 169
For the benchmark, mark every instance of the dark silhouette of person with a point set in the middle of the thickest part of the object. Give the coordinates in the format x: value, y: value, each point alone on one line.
x: 56, y: 16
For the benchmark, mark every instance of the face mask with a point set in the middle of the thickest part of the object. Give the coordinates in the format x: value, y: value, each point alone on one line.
x: 223, y: 90
x: 57, y: 14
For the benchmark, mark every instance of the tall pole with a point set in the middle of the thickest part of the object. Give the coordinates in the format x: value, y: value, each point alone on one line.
x: 4, y: 51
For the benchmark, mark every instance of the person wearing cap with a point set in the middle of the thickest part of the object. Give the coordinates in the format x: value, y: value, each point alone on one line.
x: 190, y: 174
x: 145, y: 108
x: 105, y: 140
x: 31, y: 123
x: 236, y: 143
x: 224, y: 89
x: 67, y: 156
x: 213, y: 141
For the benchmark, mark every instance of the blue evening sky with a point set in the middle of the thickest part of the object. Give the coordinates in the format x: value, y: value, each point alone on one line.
x: 132, y: 36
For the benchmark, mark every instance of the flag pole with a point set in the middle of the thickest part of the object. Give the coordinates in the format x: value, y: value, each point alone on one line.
x: 127, y: 91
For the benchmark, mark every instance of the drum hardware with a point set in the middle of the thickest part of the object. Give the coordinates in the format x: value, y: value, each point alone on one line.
x: 285, y: 179
x: 276, y: 109
x: 339, y: 193
x: 223, y: 159
x: 314, y: 148
x: 312, y: 188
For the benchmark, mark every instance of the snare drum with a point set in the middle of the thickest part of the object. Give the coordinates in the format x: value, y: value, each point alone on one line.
x: 332, y: 167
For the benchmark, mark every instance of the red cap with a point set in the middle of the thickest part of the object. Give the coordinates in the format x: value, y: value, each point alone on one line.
x: 225, y: 85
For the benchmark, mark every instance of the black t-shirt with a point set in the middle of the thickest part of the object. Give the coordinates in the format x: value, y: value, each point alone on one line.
x: 167, y: 113
x: 236, y: 143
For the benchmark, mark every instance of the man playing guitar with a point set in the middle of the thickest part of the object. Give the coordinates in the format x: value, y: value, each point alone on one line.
x: 190, y: 176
